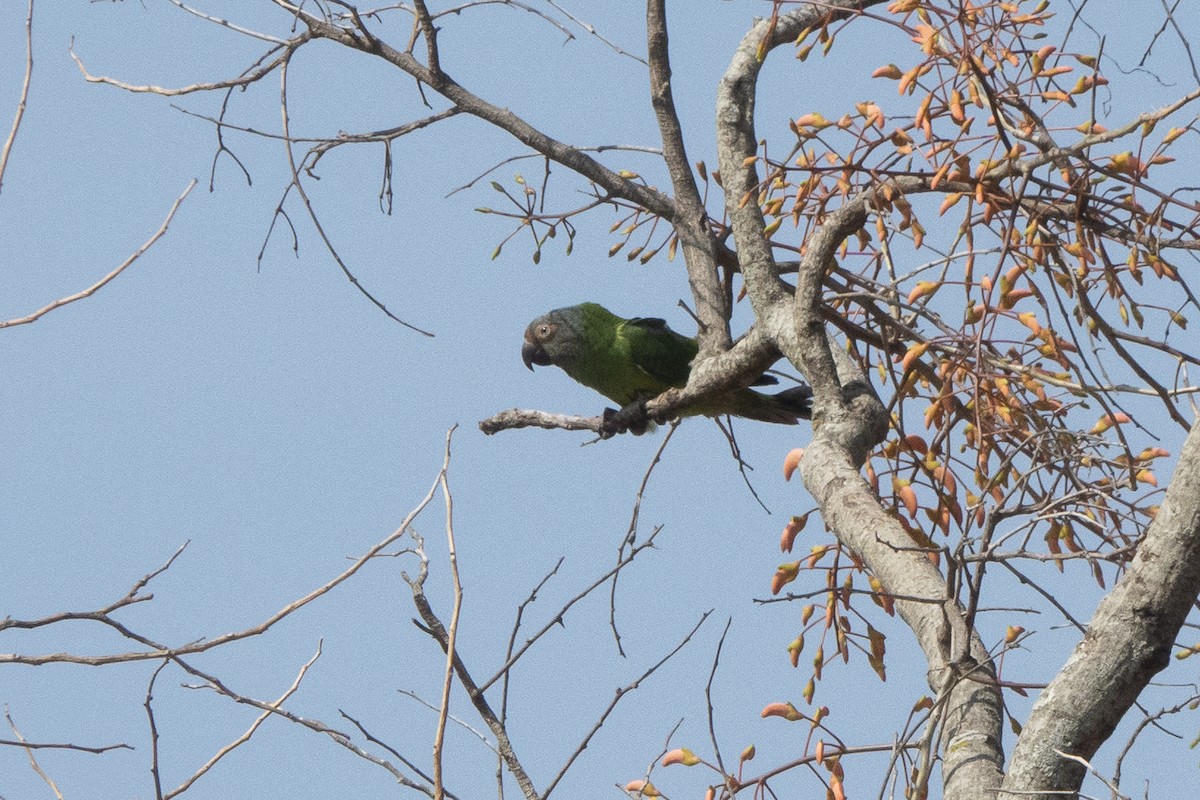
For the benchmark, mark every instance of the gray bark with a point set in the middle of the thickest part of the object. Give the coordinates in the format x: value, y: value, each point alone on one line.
x: 848, y: 422
x: 1128, y: 641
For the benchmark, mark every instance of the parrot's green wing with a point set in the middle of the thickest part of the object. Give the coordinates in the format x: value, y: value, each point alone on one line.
x: 655, y: 349
x: 628, y: 360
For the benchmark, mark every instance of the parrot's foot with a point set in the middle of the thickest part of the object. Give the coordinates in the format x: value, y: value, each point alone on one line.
x: 630, y: 419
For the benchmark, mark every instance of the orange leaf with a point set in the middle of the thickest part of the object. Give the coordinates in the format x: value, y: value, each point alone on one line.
x: 681, y: 755
x: 785, y: 710
x: 913, y: 355
x: 791, y: 530
x: 791, y: 461
x: 1107, y: 421
x: 785, y: 574
x: 835, y: 786
x: 642, y: 788
x: 922, y: 289
x: 795, y: 649
x: 906, y: 494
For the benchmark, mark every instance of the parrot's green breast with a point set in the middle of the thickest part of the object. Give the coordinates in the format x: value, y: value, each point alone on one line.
x: 628, y: 359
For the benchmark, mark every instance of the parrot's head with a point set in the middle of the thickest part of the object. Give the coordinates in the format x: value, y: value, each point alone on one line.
x: 552, y: 338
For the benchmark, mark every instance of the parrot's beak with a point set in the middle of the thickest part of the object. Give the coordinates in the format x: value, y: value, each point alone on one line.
x: 532, y: 353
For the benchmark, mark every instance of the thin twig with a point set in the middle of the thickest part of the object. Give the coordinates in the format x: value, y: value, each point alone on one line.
x: 452, y: 632
x: 157, y: 650
x: 558, y: 617
x: 95, y: 287
x: 79, y: 748
x: 16, y: 123
x: 395, y: 753
x: 216, y: 685
x: 148, y: 704
x: 312, y: 214
x: 459, y: 721
x: 33, y: 762
x: 224, y: 23
x: 631, y: 535
x: 242, y: 80
x: 245, y: 737
x: 712, y: 675
x: 620, y: 693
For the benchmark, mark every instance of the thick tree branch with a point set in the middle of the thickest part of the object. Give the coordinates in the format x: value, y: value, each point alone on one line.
x: 849, y: 421
x: 1126, y: 644
x: 570, y: 157
x: 691, y: 221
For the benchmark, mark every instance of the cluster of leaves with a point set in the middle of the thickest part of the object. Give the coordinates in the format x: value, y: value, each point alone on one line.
x: 526, y: 206
x: 1019, y: 355
x: 1055, y: 300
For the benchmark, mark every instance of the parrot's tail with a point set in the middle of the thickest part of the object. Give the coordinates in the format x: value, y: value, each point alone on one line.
x: 798, y: 399
x: 786, y: 408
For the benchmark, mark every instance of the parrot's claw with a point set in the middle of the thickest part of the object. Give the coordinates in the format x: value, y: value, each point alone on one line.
x: 630, y: 419
x: 608, y: 424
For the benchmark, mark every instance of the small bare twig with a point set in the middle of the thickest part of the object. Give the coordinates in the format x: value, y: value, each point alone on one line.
x: 156, y: 650
x: 708, y: 700
x: 216, y: 685
x: 79, y: 748
x: 592, y: 30
x: 526, y: 156
x: 312, y: 214
x: 245, y: 737
x: 16, y: 124
x: 529, y: 418
x: 631, y: 535
x: 452, y: 632
x: 459, y: 721
x: 1112, y: 787
x: 395, y: 753
x: 33, y: 762
x: 620, y: 693
x: 95, y: 287
x: 148, y: 704
x: 562, y: 612
x: 242, y: 80
x: 224, y: 23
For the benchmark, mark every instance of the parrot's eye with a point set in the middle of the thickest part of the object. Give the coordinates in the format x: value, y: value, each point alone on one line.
x: 544, y: 330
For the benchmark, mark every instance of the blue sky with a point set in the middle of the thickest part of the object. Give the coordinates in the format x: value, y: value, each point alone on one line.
x: 266, y: 413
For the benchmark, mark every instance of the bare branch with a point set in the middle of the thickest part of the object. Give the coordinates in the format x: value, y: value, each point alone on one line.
x: 312, y: 214
x: 558, y: 617
x: 95, y: 287
x: 245, y: 737
x: 16, y: 123
x: 613, y: 183
x: 33, y: 762
x: 592, y: 30
x: 620, y: 693
x: 242, y: 80
x: 224, y: 23
x: 216, y: 685
x: 451, y: 643
x: 528, y: 418
x: 156, y: 651
x: 691, y: 220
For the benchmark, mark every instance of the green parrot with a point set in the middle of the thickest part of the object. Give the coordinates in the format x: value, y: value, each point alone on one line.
x: 632, y: 360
